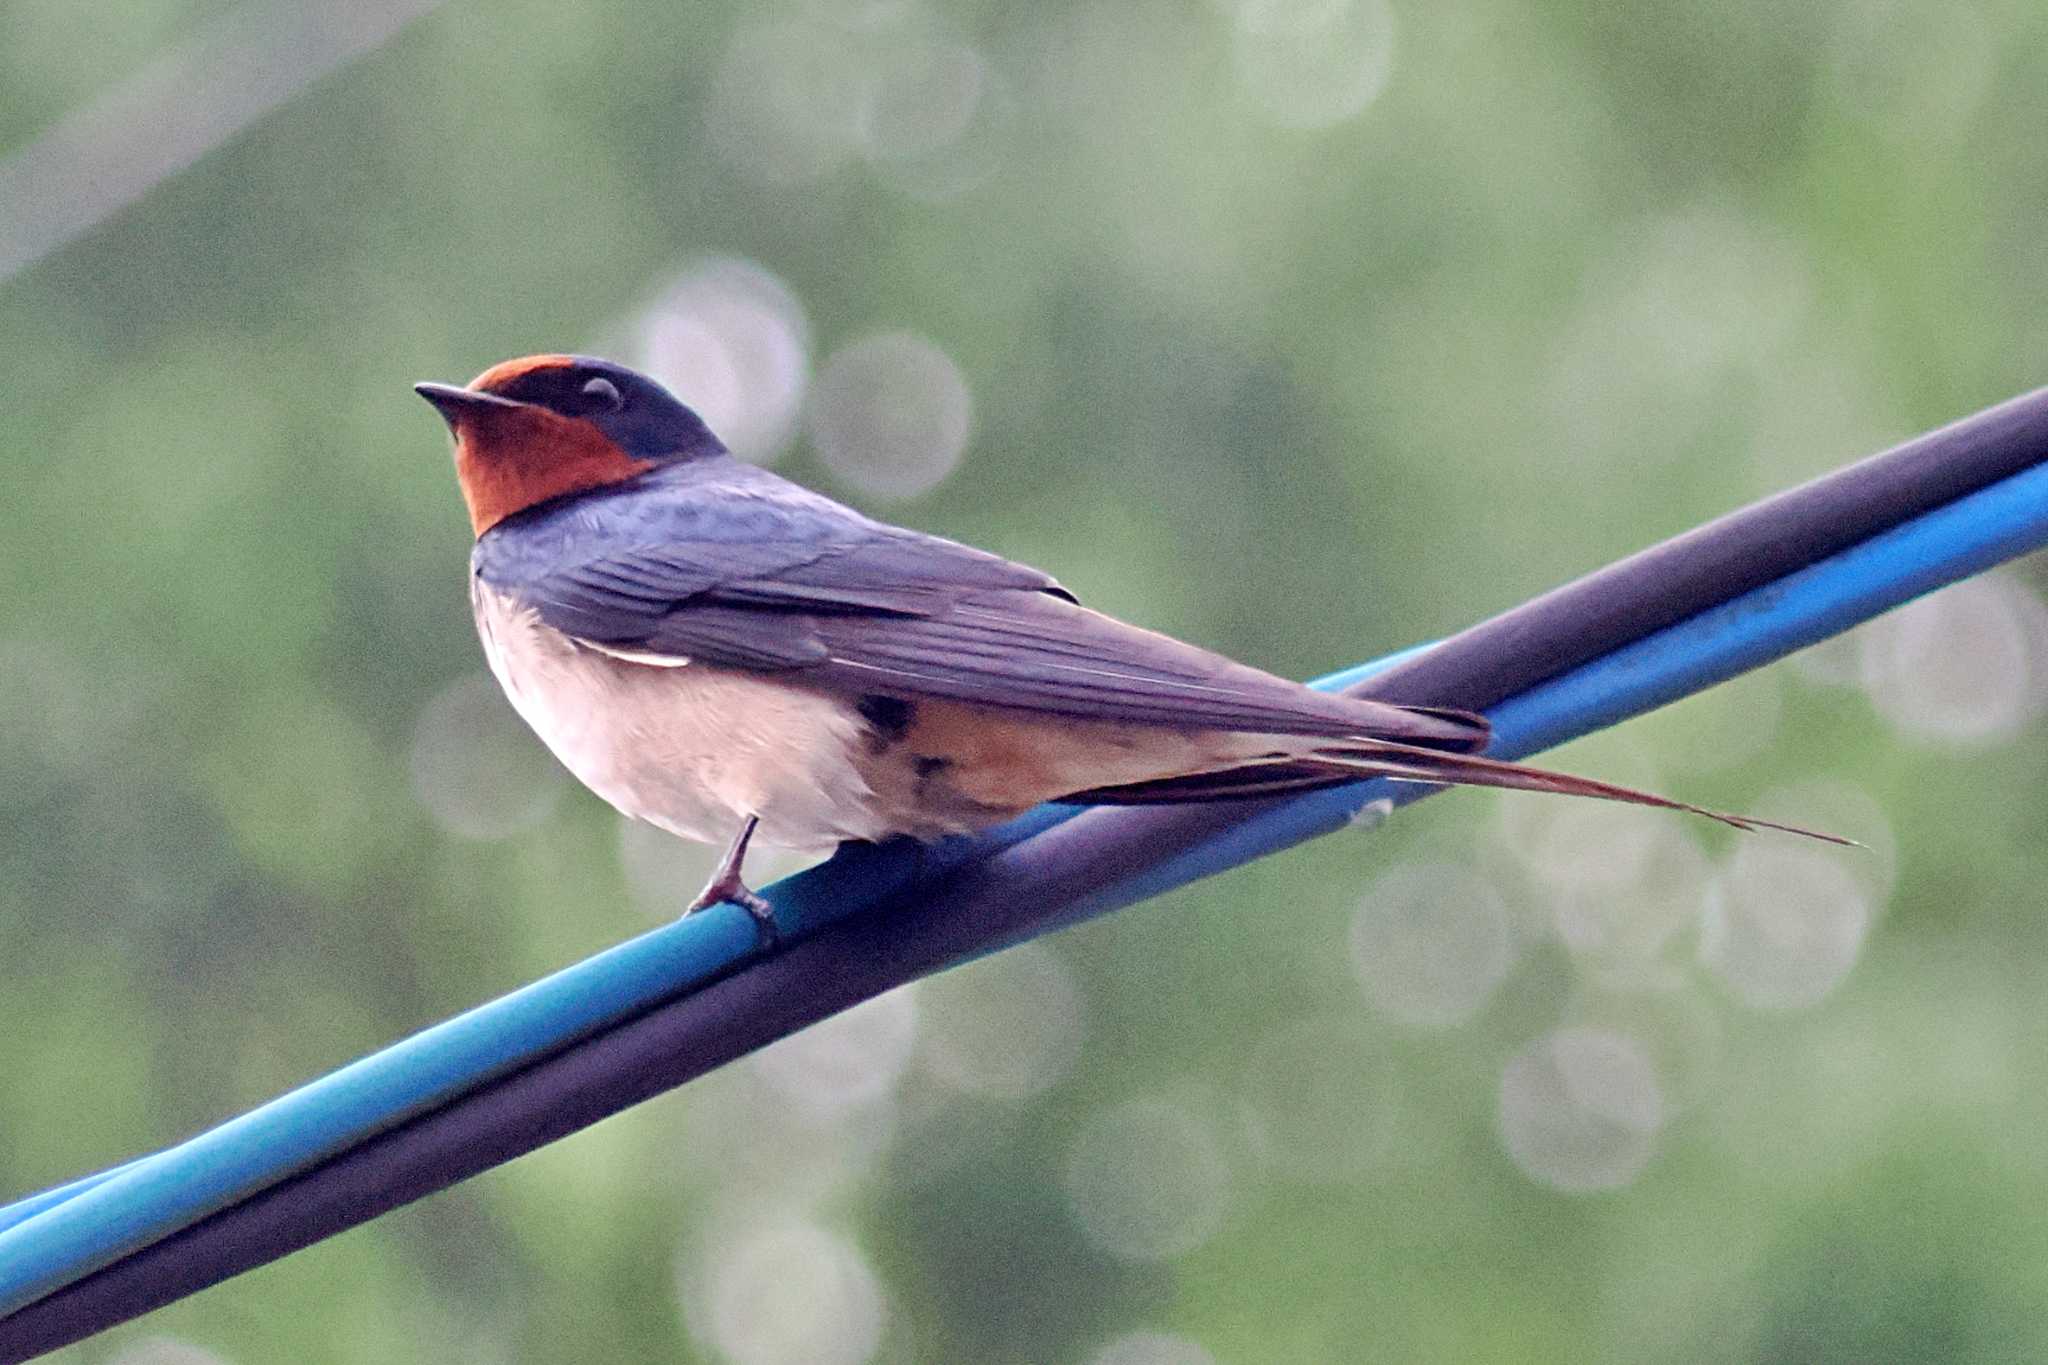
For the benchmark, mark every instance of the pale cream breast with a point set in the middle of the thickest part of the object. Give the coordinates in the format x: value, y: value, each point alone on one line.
x: 690, y: 748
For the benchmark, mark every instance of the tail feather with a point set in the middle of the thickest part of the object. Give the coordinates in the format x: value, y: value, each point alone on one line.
x: 1412, y: 763
x: 1323, y: 764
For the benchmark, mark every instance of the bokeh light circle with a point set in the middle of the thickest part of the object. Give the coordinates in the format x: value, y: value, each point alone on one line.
x: 926, y: 99
x: 1677, y: 305
x: 1005, y: 1027
x: 1588, y: 847
x: 966, y: 159
x: 891, y: 415
x: 1673, y: 1020
x: 1311, y: 63
x: 742, y: 1136
x: 1152, y: 1348
x: 160, y: 1350
x: 851, y: 1058
x: 1915, y: 73
x: 1967, y: 666
x: 1784, y: 924
x: 57, y: 717
x: 731, y: 340
x: 1624, y: 922
x: 1838, y: 806
x: 662, y: 871
x: 1146, y: 1180
x: 1580, y: 1110
x: 786, y: 101
x: 788, y: 1292
x: 476, y: 768
x: 1430, y: 943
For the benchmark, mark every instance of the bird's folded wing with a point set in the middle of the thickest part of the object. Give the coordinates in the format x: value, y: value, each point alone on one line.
x: 861, y: 608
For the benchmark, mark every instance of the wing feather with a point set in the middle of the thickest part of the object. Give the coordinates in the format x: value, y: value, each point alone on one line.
x: 749, y: 571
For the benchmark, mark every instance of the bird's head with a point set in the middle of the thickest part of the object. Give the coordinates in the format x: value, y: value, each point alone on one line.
x: 547, y: 426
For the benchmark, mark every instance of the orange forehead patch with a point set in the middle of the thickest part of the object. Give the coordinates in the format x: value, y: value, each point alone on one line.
x: 503, y: 373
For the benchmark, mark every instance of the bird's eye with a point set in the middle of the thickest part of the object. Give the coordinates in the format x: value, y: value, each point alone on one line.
x: 604, y: 393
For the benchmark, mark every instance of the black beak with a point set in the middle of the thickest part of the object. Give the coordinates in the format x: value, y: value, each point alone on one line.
x: 453, y: 401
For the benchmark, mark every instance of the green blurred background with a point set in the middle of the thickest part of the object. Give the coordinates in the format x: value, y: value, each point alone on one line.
x: 1305, y: 328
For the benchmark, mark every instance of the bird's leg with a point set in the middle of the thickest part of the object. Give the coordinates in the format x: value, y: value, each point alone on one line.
x: 725, y: 885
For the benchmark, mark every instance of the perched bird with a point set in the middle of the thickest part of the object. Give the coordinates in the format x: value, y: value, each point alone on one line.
x: 715, y: 650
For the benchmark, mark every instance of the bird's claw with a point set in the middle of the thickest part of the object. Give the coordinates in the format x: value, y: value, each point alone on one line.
x: 720, y: 891
x: 725, y: 885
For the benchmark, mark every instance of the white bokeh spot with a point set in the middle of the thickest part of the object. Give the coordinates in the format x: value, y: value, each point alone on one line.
x: 1965, y: 667
x: 855, y: 1057
x: 1306, y: 64
x: 1430, y: 943
x: 731, y: 340
x: 160, y: 1350
x: 1785, y: 923
x: 1146, y: 1180
x: 786, y: 102
x: 1627, y: 922
x: 1837, y: 806
x: 476, y: 769
x: 1580, y: 1110
x: 926, y: 99
x: 1674, y: 1022
x: 786, y: 1292
x: 1152, y: 1348
x: 891, y: 415
x: 57, y: 717
x: 1006, y: 1027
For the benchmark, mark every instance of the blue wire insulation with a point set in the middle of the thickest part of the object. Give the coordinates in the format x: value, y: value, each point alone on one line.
x: 56, y: 1236
x: 540, y: 1042
x: 1953, y: 542
x: 981, y: 845
x: 79, y: 1227
x: 23, y: 1209
x: 89, y: 1222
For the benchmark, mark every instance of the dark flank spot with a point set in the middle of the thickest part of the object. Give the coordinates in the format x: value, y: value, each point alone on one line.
x: 934, y: 784
x: 888, y: 717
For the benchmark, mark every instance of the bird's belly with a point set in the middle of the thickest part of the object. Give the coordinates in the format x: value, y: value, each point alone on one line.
x: 692, y: 749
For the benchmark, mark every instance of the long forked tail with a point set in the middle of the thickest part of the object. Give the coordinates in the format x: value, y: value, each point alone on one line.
x: 1332, y: 763
x: 1410, y: 763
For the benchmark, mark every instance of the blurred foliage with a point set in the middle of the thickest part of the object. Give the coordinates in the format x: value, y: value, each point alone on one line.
x: 1579, y: 277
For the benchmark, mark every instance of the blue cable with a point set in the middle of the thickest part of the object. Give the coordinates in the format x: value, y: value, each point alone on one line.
x: 57, y: 1235
x: 381, y: 1090
x: 23, y: 1209
x: 1953, y: 542
x: 60, y: 1235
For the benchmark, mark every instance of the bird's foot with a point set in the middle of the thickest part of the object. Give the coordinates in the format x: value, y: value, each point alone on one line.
x: 727, y: 886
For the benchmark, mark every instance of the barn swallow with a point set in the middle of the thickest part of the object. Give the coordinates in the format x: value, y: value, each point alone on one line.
x: 716, y: 650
